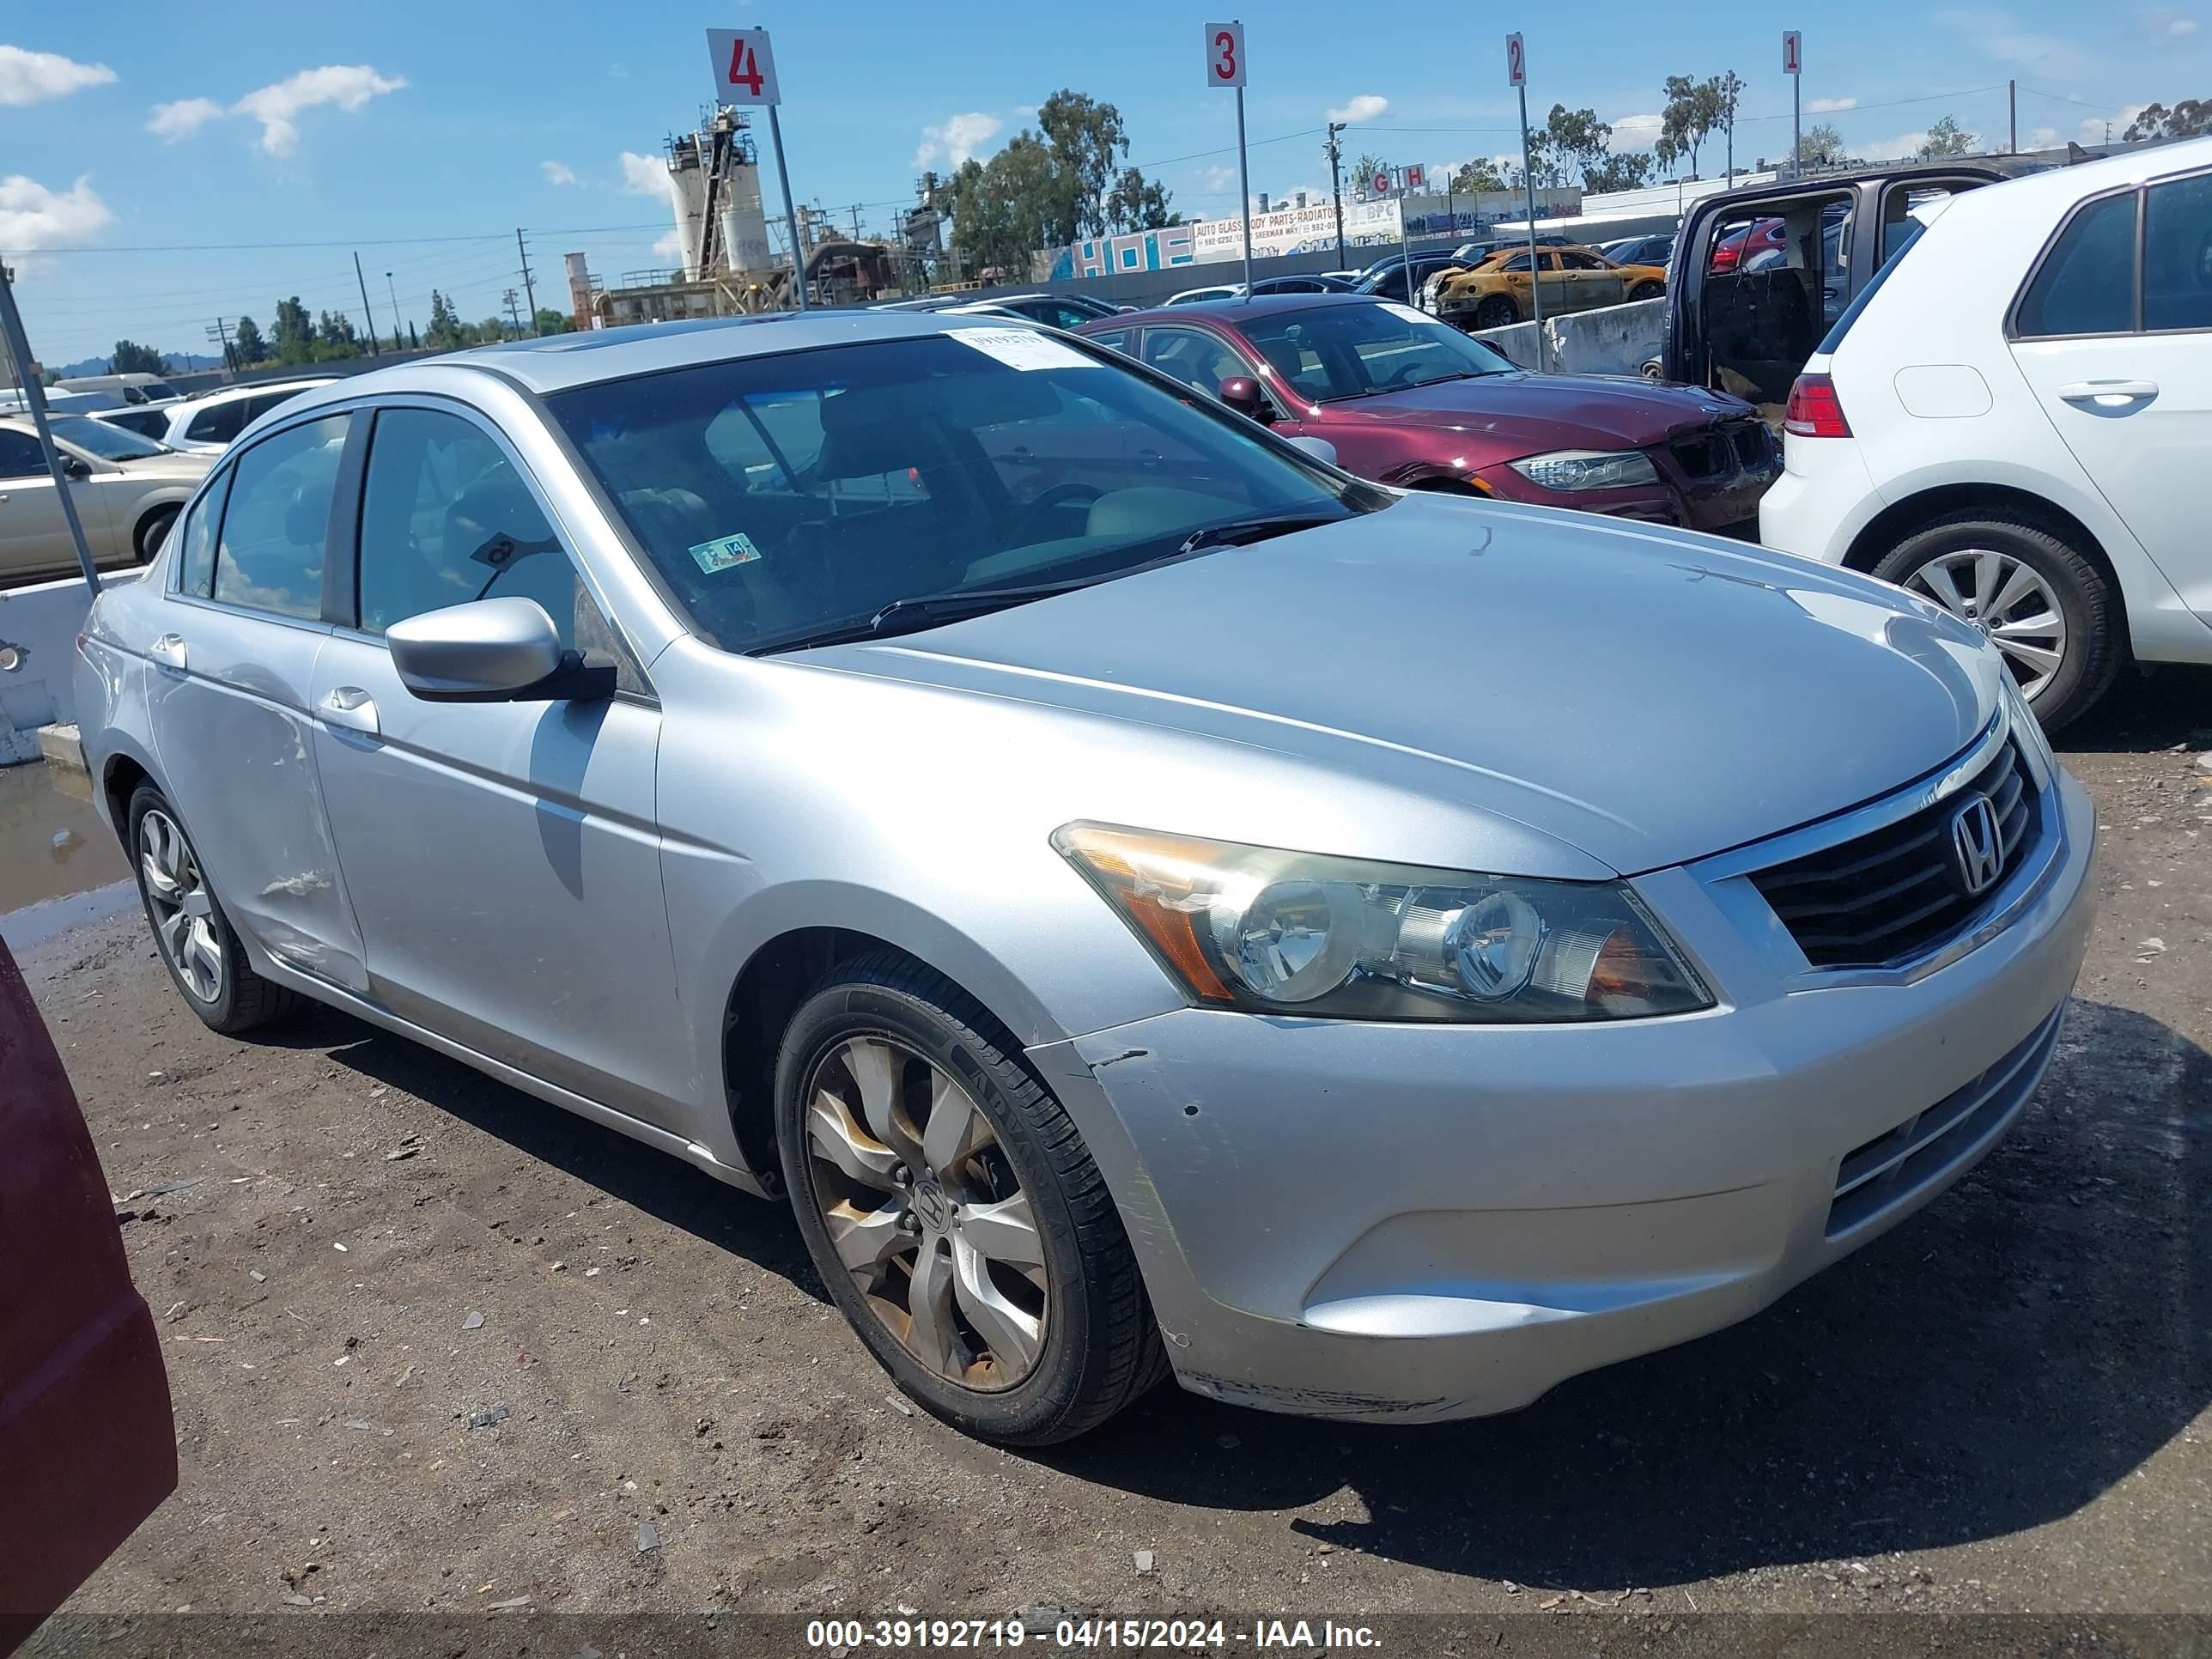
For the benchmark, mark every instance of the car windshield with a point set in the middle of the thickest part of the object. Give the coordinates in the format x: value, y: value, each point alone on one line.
x: 783, y: 499
x: 104, y: 439
x: 1337, y: 351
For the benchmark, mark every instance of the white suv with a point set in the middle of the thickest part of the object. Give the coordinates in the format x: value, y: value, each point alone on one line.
x: 2009, y: 420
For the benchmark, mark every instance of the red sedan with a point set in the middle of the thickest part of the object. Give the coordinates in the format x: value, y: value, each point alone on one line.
x: 87, y: 1446
x: 1407, y: 400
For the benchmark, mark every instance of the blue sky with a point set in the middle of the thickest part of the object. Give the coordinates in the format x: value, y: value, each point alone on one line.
x: 424, y: 134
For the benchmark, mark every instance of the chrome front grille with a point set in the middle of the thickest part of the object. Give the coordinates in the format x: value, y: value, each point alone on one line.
x: 1886, y: 897
x: 1932, y: 1144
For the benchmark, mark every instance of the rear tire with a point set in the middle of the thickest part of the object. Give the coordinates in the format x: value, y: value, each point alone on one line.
x: 151, y: 529
x: 1963, y: 553
x: 201, y: 951
x: 1646, y: 291
x: 1495, y: 311
x: 1023, y: 1353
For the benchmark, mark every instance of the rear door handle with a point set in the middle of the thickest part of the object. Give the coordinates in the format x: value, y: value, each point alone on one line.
x: 351, y: 708
x: 168, y: 650
x: 2110, y: 394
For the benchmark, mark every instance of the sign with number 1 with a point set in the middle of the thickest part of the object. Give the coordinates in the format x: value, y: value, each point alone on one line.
x: 1225, y: 54
x: 1517, y: 65
x: 744, y: 68
x: 1792, y: 55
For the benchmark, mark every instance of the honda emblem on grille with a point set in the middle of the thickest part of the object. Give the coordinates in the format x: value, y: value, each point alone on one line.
x: 1978, y: 844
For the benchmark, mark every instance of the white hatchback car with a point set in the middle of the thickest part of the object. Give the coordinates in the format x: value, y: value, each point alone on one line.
x: 2009, y: 420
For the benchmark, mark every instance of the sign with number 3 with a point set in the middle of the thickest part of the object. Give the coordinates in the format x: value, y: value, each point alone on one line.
x: 1225, y: 54
x: 744, y: 68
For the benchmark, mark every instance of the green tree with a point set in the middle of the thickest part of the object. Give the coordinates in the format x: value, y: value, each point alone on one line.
x: 1088, y: 142
x: 1005, y: 209
x: 1728, y: 92
x: 444, y: 333
x: 1363, y: 171
x: 1693, y: 111
x: 246, y: 341
x: 1046, y: 187
x: 1136, y: 203
x: 1945, y: 139
x: 295, y: 331
x: 1477, y: 175
x: 335, y: 336
x: 1617, y: 172
x: 2186, y: 119
x: 551, y: 321
x: 132, y: 358
x: 1821, y: 146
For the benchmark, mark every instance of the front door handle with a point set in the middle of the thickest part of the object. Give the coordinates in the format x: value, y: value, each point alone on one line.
x: 2109, y: 394
x: 168, y: 650
x: 350, y: 706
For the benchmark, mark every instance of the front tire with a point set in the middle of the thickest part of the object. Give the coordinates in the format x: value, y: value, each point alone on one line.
x: 197, y: 944
x: 1497, y: 311
x: 1646, y: 291
x: 2048, y: 609
x: 952, y: 1208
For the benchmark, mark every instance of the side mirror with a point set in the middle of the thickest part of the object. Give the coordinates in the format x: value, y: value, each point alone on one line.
x: 491, y: 651
x: 1241, y: 393
x: 73, y: 467
x: 1320, y: 449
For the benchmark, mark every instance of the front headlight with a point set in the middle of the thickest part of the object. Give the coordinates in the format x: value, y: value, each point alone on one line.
x: 1259, y: 929
x: 1588, y: 469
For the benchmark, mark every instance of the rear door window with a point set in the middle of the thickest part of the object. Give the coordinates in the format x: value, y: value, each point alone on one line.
x: 275, y: 530
x: 2177, y: 262
x: 218, y: 423
x: 2085, y: 283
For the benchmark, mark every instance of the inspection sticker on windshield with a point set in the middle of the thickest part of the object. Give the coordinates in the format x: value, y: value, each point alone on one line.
x: 1406, y: 313
x: 1022, y: 347
x: 725, y: 551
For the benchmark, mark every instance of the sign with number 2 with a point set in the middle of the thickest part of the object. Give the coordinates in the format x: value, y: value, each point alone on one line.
x: 1516, y: 66
x: 744, y: 68
x: 1225, y: 54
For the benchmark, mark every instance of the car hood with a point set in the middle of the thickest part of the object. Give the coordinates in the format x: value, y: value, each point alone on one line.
x: 1646, y: 696
x: 184, y: 466
x: 1553, y: 410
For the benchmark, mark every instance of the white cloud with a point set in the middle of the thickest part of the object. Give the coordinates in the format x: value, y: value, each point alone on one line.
x: 1999, y: 34
x: 558, y: 173
x: 1636, y: 131
x: 2181, y: 27
x: 670, y: 245
x: 2046, y: 138
x: 1364, y: 106
x: 32, y: 216
x: 644, y: 175
x: 958, y: 139
x: 1215, y: 179
x: 2165, y: 21
x: 277, y: 107
x: 1023, y: 112
x: 1829, y: 105
x: 183, y: 117
x: 32, y: 77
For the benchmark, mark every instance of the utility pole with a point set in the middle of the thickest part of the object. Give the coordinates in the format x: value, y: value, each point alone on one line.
x: 374, y: 349
x: 394, y: 292
x: 507, y: 299
x: 219, y: 332
x: 1335, y: 152
x: 855, y: 211
x: 1731, y: 85
x: 2011, y: 118
x: 523, y: 249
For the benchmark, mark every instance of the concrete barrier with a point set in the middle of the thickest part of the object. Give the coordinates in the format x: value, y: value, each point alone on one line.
x: 38, y: 628
x: 1611, y: 340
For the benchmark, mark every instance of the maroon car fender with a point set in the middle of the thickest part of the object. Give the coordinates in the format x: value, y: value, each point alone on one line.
x: 88, y: 1447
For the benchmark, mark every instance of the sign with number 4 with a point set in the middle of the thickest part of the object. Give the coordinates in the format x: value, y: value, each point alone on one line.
x: 744, y: 68
x: 1225, y: 54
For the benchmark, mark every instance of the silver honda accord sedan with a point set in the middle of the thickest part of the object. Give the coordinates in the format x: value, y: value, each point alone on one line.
x: 1155, y: 902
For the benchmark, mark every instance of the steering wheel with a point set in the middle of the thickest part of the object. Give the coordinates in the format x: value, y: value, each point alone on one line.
x: 1406, y: 372
x: 1060, y: 496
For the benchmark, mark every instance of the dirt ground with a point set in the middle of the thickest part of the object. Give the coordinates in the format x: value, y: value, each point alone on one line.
x: 435, y: 1345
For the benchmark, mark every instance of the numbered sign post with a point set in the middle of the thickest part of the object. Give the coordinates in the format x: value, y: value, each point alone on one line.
x: 745, y: 74
x: 1793, y: 57
x: 1516, y: 76
x: 1224, y: 67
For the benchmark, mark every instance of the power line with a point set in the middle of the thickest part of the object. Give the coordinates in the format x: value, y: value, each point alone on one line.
x: 348, y: 242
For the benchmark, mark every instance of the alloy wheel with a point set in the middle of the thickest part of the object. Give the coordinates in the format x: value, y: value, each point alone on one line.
x: 926, y: 1212
x: 183, y: 910
x: 2003, y: 597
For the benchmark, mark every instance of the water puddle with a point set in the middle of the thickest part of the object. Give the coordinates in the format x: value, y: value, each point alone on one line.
x: 59, y: 865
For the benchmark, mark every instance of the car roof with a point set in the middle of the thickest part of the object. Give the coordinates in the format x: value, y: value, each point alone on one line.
x: 223, y: 394
x: 2056, y: 188
x: 559, y: 362
x: 1260, y: 305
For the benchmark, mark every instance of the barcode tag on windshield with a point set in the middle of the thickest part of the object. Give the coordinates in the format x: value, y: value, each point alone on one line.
x: 1406, y: 313
x: 1022, y: 347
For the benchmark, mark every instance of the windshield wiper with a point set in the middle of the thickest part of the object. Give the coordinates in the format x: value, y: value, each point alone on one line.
x: 920, y: 611
x: 1243, y: 533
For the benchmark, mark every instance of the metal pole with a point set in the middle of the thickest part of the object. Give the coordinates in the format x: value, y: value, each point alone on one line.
x: 2011, y: 118
x: 1797, y: 132
x: 375, y: 346
x: 394, y: 292
x: 1336, y: 183
x: 1536, y: 268
x: 35, y: 397
x: 790, y: 212
x: 528, y: 286
x: 1244, y: 184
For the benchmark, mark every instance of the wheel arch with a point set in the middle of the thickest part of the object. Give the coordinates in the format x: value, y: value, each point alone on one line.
x: 1906, y: 517
x: 121, y: 776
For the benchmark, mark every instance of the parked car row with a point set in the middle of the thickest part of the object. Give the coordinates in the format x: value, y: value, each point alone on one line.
x: 1314, y: 872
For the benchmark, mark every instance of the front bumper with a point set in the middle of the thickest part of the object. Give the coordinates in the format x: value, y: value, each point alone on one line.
x: 1724, y: 491
x: 1417, y: 1223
